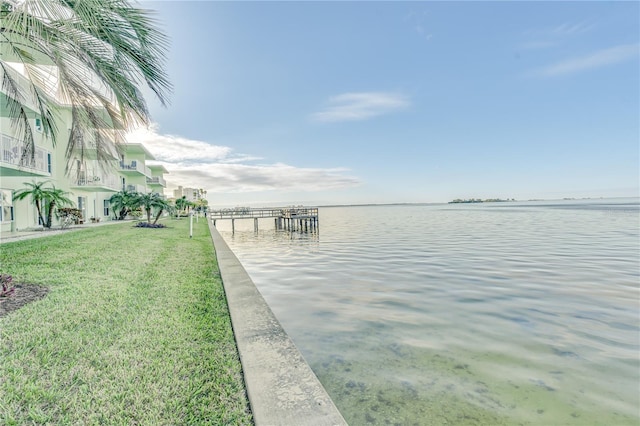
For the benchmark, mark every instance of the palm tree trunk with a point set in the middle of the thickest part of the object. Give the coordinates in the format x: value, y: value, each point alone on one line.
x: 52, y: 204
x: 39, y: 209
x: 148, y: 215
x: 157, y: 217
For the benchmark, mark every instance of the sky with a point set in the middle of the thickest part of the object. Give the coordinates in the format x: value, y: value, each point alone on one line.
x: 281, y: 103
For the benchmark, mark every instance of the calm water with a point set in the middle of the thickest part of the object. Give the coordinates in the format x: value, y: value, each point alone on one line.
x: 488, y: 314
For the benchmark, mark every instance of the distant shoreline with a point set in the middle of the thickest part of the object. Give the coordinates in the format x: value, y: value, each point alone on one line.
x: 478, y: 200
x: 449, y: 202
x: 512, y: 200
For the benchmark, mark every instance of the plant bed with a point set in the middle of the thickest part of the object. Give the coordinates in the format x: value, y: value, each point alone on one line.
x: 22, y: 295
x: 149, y: 225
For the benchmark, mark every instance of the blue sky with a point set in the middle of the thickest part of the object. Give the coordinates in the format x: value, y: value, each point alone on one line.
x: 381, y: 102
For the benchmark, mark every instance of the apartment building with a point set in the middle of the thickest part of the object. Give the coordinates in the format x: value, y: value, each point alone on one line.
x: 89, y: 184
x: 157, y: 183
x: 191, y: 194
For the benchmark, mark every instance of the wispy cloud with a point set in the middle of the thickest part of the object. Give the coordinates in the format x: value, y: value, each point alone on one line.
x: 553, y: 36
x: 418, y: 21
x: 360, y: 106
x: 571, y: 28
x: 235, y: 178
x: 598, y: 59
x: 173, y: 149
x: 218, y: 169
x: 561, y: 30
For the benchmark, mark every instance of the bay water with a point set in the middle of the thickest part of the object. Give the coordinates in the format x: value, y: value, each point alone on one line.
x: 462, y: 314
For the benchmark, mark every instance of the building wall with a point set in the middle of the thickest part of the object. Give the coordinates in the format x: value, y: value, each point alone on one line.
x: 158, y: 186
x: 192, y: 194
x: 13, y: 177
x: 91, y: 200
x: 134, y: 171
x: 88, y: 193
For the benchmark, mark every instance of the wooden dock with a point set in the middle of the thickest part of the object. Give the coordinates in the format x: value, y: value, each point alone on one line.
x: 303, y: 219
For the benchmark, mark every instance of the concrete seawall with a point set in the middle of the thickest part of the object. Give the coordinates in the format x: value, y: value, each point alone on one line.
x: 282, y: 388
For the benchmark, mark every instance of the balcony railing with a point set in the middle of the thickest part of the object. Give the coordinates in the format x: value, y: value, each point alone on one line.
x: 102, y: 181
x: 136, y: 188
x: 136, y: 167
x: 12, y: 154
x: 156, y: 180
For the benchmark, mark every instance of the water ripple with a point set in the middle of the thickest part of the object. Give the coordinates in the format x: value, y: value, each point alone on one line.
x: 506, y: 313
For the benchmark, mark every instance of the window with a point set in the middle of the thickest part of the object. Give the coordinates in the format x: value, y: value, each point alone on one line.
x: 6, y: 205
x: 82, y: 206
x: 106, y: 206
x: 38, y: 125
x: 49, y: 162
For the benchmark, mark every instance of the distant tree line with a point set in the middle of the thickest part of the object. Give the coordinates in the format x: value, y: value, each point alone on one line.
x: 478, y: 200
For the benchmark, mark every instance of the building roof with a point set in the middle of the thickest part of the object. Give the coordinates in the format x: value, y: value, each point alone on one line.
x: 137, y: 148
x: 157, y: 168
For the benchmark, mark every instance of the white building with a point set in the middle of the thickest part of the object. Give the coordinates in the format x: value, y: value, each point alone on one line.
x: 88, y: 184
x: 191, y: 194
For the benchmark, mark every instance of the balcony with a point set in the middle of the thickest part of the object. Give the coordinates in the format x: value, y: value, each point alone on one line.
x: 96, y: 183
x: 134, y: 168
x: 11, y: 154
x: 157, y: 181
x: 136, y: 188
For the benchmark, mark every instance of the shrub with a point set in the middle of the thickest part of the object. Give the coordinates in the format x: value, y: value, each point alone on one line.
x: 5, y: 280
x: 149, y: 225
x: 69, y: 215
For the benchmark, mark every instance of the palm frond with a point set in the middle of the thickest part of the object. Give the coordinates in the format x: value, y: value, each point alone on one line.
x: 102, y: 50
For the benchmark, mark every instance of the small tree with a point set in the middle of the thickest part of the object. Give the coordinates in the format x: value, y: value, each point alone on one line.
x: 45, y: 199
x: 181, y: 204
x: 124, y: 202
x: 162, y: 205
x: 57, y: 197
x: 201, y: 204
x: 152, y: 201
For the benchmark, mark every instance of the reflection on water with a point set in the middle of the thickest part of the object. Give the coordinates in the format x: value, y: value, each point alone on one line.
x: 498, y: 313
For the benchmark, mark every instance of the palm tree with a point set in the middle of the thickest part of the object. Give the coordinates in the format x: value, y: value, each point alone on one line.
x: 37, y: 193
x: 98, y: 50
x: 182, y: 203
x: 44, y: 198
x: 162, y: 205
x: 151, y: 201
x: 56, y: 197
x: 123, y: 202
x: 201, y: 204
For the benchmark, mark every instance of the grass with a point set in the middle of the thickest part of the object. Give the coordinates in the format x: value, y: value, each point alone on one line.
x: 134, y: 331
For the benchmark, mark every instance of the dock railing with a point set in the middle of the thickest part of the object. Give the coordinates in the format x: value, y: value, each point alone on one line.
x: 265, y: 212
x: 290, y: 218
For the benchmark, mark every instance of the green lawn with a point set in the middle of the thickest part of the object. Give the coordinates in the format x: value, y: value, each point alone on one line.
x: 134, y: 331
